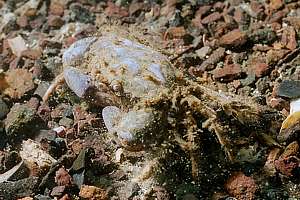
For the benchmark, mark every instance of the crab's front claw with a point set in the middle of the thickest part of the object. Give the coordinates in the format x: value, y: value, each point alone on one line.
x: 77, y: 81
x: 74, y: 54
x: 136, y: 129
x: 82, y: 85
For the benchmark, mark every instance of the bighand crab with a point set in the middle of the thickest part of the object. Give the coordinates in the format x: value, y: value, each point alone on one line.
x: 147, y: 101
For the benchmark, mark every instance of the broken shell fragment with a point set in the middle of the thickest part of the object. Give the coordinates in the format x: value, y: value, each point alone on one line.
x: 32, y: 152
x: 291, y: 125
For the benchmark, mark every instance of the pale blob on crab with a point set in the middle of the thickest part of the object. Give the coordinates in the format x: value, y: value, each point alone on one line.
x: 119, y: 73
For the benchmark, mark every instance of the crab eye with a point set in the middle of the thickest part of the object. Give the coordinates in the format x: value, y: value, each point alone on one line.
x: 117, y: 88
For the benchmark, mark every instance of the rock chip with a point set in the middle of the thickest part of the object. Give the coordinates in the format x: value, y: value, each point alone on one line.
x: 4, y: 109
x: 19, y: 82
x: 17, y: 45
x: 32, y: 152
x: 241, y: 186
x: 18, y: 189
x: 235, y: 38
x: 289, y: 89
x: 20, y: 118
x: 93, y: 193
x: 228, y: 73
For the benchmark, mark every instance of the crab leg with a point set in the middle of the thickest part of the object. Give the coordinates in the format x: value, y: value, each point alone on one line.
x: 59, y: 80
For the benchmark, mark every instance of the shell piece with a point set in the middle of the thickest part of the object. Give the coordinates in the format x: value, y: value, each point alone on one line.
x: 78, y: 82
x: 292, y: 123
x: 139, y: 69
x: 289, y: 126
x: 77, y: 50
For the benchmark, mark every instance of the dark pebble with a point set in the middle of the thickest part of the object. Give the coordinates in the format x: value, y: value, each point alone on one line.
x: 289, y: 89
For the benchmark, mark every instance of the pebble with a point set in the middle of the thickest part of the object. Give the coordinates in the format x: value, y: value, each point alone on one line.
x: 79, y: 13
x: 228, y: 73
x: 4, y: 109
x: 55, y: 21
x: 203, y: 52
x: 32, y: 152
x: 289, y: 89
x: 17, y: 45
x: 235, y: 38
x: 20, y: 118
x: 18, y: 189
x: 66, y: 122
x: 241, y: 186
x: 92, y: 192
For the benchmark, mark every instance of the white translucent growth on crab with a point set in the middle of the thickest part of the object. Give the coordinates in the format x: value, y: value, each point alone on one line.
x: 76, y: 51
x: 77, y: 81
x: 111, y: 115
x: 131, y: 127
x: 132, y: 124
x: 295, y: 106
x: 139, y: 69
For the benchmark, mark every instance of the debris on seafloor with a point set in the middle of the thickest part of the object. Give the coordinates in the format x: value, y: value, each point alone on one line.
x: 17, y: 45
x: 17, y: 82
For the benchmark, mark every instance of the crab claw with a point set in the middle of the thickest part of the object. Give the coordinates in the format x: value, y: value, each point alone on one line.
x: 77, y: 81
x: 136, y: 129
x: 77, y: 50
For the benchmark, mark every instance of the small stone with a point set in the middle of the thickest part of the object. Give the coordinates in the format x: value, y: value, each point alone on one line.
x: 20, y: 119
x: 248, y: 80
x: 175, y: 32
x: 291, y: 150
x: 260, y: 69
x: 276, y: 4
x: 56, y: 8
x: 241, y: 186
x: 42, y: 197
x: 289, y: 128
x: 22, y: 21
x: 62, y: 177
x: 18, y: 189
x: 270, y: 163
x: 41, y: 88
x: 235, y: 38
x: 58, y: 191
x: 79, y: 13
x: 33, y: 54
x: 203, y: 52
x: 211, y: 18
x: 66, y: 122
x: 289, y: 89
x: 26, y: 198
x: 19, y: 81
x: 228, y: 73
x: 55, y: 21
x: 112, y: 10
x: 17, y: 45
x: 287, y: 166
x: 32, y: 152
x: 213, y: 59
x: 4, y: 109
x: 93, y: 193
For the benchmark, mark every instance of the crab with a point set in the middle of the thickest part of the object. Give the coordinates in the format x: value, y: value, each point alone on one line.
x: 117, y: 73
x: 146, y: 100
